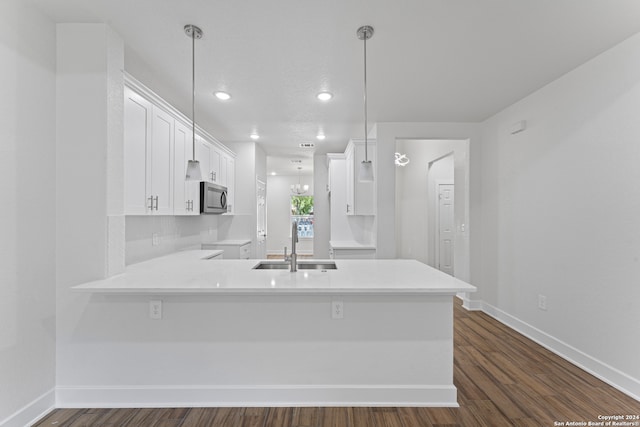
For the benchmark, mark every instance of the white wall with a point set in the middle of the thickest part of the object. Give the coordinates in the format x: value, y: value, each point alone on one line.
x: 279, y: 214
x: 560, y: 208
x: 321, y: 208
x: 89, y: 82
x: 27, y: 233
x: 467, y: 184
x: 174, y: 233
x: 415, y: 210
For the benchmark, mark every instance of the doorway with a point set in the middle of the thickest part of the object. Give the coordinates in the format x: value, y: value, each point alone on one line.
x: 443, y: 232
x: 261, y: 228
x: 426, y: 230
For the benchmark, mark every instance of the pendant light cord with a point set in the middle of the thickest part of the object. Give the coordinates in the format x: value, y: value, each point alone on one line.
x: 366, y: 157
x: 193, y: 94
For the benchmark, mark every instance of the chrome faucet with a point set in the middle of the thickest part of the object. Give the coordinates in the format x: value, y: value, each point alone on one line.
x: 293, y: 259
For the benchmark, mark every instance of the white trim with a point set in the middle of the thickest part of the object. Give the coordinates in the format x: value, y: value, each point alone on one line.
x: 256, y: 396
x: 610, y: 375
x: 32, y: 412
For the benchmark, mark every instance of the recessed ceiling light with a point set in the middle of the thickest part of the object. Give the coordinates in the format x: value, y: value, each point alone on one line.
x: 273, y: 174
x: 321, y: 137
x: 255, y: 136
x: 324, y: 96
x: 224, y: 96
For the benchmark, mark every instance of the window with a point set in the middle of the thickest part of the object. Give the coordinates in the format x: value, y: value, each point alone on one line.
x: 302, y: 212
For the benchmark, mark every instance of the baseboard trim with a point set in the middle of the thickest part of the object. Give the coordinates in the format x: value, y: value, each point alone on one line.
x: 255, y: 396
x: 612, y: 376
x: 32, y: 412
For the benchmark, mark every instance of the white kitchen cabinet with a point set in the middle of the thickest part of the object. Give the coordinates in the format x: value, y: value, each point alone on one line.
x: 352, y: 253
x: 137, y: 135
x: 233, y: 249
x: 148, y: 157
x: 186, y: 194
x: 222, y: 177
x: 360, y: 195
x: 231, y: 183
x: 158, y: 145
x: 214, y: 166
x: 162, y: 137
x: 203, y: 155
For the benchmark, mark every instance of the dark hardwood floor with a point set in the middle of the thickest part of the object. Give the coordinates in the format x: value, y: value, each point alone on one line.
x: 503, y: 379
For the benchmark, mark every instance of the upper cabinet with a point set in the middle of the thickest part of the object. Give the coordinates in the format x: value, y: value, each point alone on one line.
x: 360, y: 195
x: 158, y: 144
x: 230, y: 163
x: 148, y: 157
x: 186, y: 194
x: 137, y: 136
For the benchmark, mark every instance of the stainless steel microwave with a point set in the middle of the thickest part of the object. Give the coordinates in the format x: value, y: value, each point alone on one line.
x: 213, y: 198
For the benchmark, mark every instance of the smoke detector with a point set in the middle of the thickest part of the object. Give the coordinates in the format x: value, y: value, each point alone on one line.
x: 307, y: 145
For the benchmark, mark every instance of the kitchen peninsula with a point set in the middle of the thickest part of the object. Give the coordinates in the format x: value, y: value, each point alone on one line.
x: 370, y: 332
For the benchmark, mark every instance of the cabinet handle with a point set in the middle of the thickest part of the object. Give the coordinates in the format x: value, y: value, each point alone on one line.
x: 191, y: 205
x: 157, y: 202
x: 150, y: 203
x: 211, y: 176
x: 347, y: 207
x: 187, y: 204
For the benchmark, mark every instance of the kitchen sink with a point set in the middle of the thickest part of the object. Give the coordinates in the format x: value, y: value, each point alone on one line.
x: 326, y: 265
x: 304, y: 265
x: 271, y: 265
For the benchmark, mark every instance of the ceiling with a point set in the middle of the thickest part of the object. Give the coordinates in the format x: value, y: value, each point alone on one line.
x: 428, y: 61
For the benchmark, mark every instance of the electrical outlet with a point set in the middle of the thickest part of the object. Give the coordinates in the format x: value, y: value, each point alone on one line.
x: 337, y: 310
x: 542, y: 302
x: 155, y: 240
x: 155, y: 309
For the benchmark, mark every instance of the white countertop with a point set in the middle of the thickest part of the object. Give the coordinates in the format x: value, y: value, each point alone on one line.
x: 349, y: 244
x: 237, y: 242
x: 188, y: 273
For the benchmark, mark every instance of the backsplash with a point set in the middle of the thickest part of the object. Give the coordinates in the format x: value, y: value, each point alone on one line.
x: 148, y: 237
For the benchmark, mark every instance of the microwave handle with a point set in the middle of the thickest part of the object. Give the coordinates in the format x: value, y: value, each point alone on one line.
x: 223, y: 199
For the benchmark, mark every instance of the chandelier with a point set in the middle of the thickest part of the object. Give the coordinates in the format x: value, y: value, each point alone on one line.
x: 298, y: 189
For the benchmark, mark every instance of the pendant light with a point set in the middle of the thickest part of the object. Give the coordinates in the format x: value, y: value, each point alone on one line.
x: 365, y: 173
x: 193, y: 166
x: 299, y: 189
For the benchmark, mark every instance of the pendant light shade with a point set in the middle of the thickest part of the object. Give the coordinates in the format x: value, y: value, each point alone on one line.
x: 193, y: 166
x: 365, y: 172
x: 193, y: 171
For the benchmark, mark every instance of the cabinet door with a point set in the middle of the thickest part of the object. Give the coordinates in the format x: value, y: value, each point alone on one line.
x: 183, y: 194
x: 203, y: 155
x: 224, y: 165
x: 350, y: 159
x: 214, y: 165
x: 231, y: 184
x: 137, y: 138
x: 162, y: 138
x: 363, y: 192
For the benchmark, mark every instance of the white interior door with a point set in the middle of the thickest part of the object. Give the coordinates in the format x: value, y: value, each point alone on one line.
x: 261, y: 202
x: 445, y: 221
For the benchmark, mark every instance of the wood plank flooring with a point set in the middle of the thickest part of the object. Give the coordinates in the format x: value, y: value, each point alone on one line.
x: 503, y: 379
